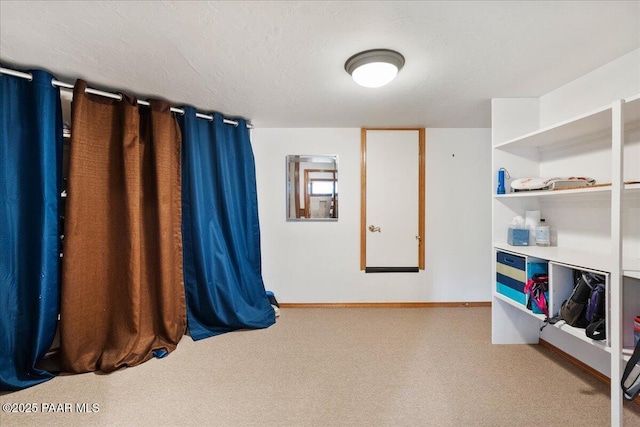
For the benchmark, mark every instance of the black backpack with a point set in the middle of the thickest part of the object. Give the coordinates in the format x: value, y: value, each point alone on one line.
x: 572, y: 310
x: 595, y: 313
x: 586, y: 304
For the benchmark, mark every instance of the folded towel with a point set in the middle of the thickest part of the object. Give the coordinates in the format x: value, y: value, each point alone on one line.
x: 528, y: 184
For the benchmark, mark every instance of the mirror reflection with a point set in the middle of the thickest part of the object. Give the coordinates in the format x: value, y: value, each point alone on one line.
x: 312, y: 188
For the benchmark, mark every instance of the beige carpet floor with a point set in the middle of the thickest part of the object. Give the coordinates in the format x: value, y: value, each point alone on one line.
x: 336, y: 367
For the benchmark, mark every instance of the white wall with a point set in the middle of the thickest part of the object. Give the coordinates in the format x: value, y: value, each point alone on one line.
x: 310, y: 262
x: 615, y: 80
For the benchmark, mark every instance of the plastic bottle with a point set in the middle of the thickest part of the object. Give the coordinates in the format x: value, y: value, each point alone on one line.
x: 542, y: 234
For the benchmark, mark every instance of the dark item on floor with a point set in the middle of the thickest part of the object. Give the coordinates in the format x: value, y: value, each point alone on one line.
x: 631, y: 378
x: 272, y: 299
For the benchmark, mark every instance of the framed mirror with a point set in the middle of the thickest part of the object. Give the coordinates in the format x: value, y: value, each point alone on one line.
x: 312, y: 188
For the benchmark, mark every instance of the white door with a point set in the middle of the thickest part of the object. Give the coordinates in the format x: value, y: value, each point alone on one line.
x: 392, y: 199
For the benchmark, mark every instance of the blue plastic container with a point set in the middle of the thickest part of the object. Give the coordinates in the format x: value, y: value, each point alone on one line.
x: 518, y: 237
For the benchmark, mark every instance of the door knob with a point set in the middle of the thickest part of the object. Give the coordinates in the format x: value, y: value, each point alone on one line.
x: 373, y: 229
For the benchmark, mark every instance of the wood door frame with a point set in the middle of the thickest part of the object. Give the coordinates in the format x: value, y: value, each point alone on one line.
x: 296, y: 180
x: 363, y: 193
x: 307, y: 181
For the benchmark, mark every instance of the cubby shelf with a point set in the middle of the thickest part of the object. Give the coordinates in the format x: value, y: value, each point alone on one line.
x: 562, y: 325
x: 581, y: 335
x: 519, y: 306
x: 575, y: 257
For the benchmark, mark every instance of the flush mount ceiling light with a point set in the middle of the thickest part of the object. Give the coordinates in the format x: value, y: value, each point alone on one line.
x: 375, y: 67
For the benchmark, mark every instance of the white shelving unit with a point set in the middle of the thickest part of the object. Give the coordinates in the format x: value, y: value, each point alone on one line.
x: 595, y: 228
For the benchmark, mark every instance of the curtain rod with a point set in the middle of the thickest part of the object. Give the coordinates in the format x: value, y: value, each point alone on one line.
x: 58, y: 83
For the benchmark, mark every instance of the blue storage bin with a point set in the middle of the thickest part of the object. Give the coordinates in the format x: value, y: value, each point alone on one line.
x: 536, y: 268
x: 511, y: 260
x: 511, y: 276
x: 512, y: 273
x: 511, y: 293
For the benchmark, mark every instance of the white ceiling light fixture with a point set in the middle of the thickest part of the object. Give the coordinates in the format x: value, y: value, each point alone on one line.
x: 375, y: 67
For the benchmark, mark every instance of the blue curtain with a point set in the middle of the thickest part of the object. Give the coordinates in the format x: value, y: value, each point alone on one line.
x: 30, y: 178
x: 220, y: 230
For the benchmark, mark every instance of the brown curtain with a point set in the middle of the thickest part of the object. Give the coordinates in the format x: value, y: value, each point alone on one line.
x: 122, y: 290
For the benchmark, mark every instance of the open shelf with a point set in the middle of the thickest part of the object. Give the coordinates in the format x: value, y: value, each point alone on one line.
x: 557, y: 194
x: 586, y: 126
x: 601, y: 191
x: 632, y: 188
x: 581, y: 335
x: 562, y: 325
x: 635, y: 98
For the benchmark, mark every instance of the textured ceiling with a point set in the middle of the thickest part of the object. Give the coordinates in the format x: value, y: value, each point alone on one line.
x: 281, y: 63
